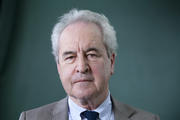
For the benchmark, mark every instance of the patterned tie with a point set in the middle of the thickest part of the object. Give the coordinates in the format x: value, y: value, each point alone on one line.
x: 90, y: 115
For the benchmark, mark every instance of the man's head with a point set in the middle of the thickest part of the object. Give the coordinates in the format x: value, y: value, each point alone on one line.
x: 108, y: 32
x: 84, y: 46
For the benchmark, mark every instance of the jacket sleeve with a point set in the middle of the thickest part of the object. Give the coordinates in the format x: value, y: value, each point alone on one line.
x: 22, y: 116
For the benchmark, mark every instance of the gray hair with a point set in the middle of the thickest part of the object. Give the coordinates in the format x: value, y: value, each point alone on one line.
x: 74, y: 15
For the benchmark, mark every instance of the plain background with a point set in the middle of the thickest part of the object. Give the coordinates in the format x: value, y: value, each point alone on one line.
x: 147, y: 72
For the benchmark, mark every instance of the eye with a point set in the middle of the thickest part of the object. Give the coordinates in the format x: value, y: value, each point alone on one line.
x: 69, y: 59
x: 92, y: 56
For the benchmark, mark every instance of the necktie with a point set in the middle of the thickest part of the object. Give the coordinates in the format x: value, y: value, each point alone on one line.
x: 90, y: 115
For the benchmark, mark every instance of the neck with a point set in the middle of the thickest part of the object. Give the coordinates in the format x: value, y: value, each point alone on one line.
x: 90, y: 103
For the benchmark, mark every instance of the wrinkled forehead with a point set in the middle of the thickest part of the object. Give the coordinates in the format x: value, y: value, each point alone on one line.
x: 81, y: 34
x: 80, y: 26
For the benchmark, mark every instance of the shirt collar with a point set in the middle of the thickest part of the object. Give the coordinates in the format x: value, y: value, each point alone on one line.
x: 104, y: 109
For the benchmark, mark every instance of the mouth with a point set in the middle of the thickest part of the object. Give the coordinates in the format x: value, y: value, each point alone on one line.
x: 80, y: 81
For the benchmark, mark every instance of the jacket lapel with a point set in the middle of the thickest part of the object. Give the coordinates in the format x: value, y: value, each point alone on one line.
x: 60, y: 112
x: 121, y: 111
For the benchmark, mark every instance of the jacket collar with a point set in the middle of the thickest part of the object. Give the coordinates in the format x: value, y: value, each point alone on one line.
x: 121, y: 111
x: 60, y: 111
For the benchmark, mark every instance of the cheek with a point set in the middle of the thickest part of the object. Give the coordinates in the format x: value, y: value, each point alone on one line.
x: 98, y: 71
x: 65, y: 76
x: 65, y: 71
x: 101, y: 71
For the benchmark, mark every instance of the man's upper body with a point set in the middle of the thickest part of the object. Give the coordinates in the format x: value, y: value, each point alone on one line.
x: 84, y: 45
x: 59, y: 111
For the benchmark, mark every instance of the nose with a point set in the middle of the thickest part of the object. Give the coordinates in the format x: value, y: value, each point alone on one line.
x: 82, y: 65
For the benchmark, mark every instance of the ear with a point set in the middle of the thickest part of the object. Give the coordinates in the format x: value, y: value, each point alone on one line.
x: 112, y: 62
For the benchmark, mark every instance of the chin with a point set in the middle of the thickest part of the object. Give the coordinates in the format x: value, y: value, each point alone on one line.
x: 83, y: 95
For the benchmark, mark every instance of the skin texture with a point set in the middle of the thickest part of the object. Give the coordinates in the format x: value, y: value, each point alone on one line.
x: 84, y: 66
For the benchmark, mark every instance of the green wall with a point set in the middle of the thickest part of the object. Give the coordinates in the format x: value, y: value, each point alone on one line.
x: 147, y: 72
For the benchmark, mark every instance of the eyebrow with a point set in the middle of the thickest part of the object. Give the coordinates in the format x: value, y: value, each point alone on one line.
x: 73, y: 52
x: 92, y: 49
x: 68, y: 52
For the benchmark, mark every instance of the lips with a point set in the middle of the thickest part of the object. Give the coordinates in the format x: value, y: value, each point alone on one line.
x: 82, y: 78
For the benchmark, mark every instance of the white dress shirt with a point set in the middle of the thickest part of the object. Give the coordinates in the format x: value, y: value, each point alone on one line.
x: 104, y: 110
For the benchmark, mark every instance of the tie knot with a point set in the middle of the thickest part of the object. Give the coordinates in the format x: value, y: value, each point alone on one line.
x: 90, y: 115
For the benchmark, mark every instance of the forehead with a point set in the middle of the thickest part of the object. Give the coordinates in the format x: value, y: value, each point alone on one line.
x: 81, y: 35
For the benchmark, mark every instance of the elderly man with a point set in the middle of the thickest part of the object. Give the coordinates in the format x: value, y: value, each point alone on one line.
x: 84, y: 45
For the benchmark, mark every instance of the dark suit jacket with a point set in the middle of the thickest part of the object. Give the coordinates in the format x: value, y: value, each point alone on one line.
x: 59, y: 111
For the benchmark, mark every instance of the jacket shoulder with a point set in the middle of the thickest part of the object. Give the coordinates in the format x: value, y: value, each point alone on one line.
x: 41, y: 113
x: 126, y: 111
x: 140, y: 114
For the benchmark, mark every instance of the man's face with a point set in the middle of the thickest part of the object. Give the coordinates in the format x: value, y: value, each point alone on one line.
x: 84, y: 66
